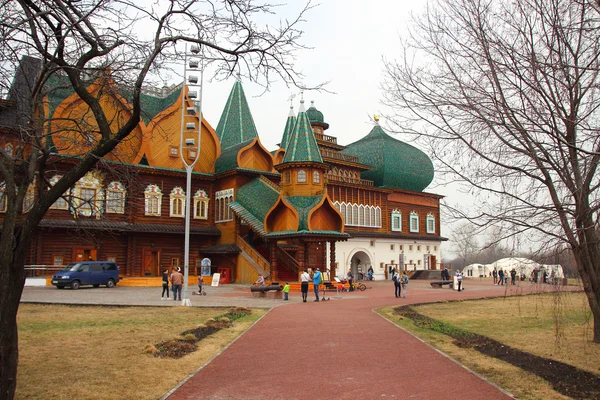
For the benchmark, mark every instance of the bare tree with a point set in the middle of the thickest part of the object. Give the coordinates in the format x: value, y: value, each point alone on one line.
x: 505, y: 95
x: 67, y: 43
x: 465, y: 245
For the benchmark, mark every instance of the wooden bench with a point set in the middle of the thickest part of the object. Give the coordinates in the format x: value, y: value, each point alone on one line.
x: 439, y: 284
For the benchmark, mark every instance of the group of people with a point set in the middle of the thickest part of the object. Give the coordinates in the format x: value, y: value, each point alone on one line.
x: 400, y: 283
x: 501, y: 277
x: 176, y: 280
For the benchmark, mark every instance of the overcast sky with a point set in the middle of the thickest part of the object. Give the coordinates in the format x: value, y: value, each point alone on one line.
x: 348, y: 40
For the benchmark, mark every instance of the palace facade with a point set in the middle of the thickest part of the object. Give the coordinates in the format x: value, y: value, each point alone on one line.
x: 310, y: 203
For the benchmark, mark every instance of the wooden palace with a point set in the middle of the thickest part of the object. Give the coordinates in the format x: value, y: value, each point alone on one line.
x: 310, y: 203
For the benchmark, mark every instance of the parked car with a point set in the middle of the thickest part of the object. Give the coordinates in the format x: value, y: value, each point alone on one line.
x: 93, y: 273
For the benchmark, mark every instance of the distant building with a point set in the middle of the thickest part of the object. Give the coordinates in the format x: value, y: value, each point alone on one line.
x: 310, y: 203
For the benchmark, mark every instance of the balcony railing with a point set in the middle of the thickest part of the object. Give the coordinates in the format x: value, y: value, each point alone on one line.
x: 339, y: 156
x: 362, y: 182
x: 325, y: 138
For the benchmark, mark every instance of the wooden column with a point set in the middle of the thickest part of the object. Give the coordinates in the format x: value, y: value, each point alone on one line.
x: 273, y: 261
x: 332, y: 259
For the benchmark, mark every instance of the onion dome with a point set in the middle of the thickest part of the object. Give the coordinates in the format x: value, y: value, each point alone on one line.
x: 315, y: 116
x: 394, y: 164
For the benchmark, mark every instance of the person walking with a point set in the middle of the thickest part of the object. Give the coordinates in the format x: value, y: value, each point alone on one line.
x: 459, y: 279
x: 404, y: 284
x: 495, y: 275
x: 165, y: 284
x: 176, y: 283
x: 286, y: 291
x: 316, y: 282
x: 304, y: 278
x: 513, y: 276
x: 396, y: 279
x: 501, y: 277
x: 350, y: 278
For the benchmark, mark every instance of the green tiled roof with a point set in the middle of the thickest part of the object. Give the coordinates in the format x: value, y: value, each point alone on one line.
x: 302, y: 145
x: 303, y: 205
x: 227, y: 161
x: 236, y: 124
x: 253, y: 201
x: 60, y: 88
x: 395, y: 164
x: 289, y: 129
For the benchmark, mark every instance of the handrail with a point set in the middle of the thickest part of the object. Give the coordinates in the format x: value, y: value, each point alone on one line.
x: 32, y: 269
x: 255, y: 255
x: 326, y: 138
x: 362, y: 182
x: 286, y: 260
x: 339, y: 156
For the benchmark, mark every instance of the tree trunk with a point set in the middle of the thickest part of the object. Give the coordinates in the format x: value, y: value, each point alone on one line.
x: 587, y: 256
x: 12, y: 280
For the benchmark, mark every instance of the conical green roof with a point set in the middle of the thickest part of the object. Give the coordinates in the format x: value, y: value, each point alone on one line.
x: 236, y: 124
x: 289, y: 128
x: 302, y: 145
x: 395, y: 164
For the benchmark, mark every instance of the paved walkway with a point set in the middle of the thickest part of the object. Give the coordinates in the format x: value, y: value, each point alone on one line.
x: 338, y: 349
x: 341, y: 350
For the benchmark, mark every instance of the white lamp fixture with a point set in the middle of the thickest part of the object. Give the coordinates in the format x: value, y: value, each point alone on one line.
x: 195, y: 49
x: 190, y: 126
x: 192, y: 94
x: 193, y: 79
x: 193, y: 63
x: 189, y: 142
x: 191, y: 110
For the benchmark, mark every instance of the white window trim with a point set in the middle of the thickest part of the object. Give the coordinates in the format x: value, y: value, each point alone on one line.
x: 359, y: 215
x: 223, y: 212
x: 116, y: 187
x: 200, y: 197
x: 414, y: 222
x: 152, y: 194
x: 177, y: 195
x: 301, y: 176
x: 92, y: 181
x: 396, y: 216
x: 64, y: 197
x: 430, y: 220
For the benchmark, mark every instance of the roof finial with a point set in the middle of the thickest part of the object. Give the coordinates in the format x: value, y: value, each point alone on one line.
x: 376, y: 118
x: 301, y: 109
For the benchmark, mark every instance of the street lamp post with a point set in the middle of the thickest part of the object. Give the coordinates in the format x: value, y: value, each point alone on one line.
x: 191, y: 129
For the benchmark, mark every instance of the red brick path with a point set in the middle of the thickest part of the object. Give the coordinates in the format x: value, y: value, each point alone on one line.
x: 341, y: 349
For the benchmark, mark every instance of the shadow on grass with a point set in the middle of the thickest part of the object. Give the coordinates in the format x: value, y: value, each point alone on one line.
x: 564, y: 378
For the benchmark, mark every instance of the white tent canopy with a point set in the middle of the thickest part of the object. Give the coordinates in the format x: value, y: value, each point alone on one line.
x: 521, y: 265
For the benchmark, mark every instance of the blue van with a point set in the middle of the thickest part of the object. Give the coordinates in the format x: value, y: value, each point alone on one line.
x: 93, y: 273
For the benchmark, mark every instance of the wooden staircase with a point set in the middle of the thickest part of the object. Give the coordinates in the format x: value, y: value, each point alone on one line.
x: 254, y: 258
x: 288, y: 269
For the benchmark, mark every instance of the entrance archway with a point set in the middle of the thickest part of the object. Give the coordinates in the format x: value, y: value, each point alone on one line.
x: 359, y: 263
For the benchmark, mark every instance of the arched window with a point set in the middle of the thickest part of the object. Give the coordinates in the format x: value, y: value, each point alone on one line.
x: 88, y: 195
x: 62, y: 202
x: 153, y: 199
x: 29, y: 198
x: 316, y: 177
x: 378, y: 217
x: 368, y: 216
x: 361, y: 215
x: 115, y: 198
x: 9, y: 150
x: 287, y: 176
x: 396, y: 220
x: 430, y: 220
x: 414, y: 222
x: 355, y: 214
x: 201, y: 205
x: 301, y: 176
x: 223, y: 199
x: 177, y: 200
x: 373, y: 217
x: 343, y: 211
